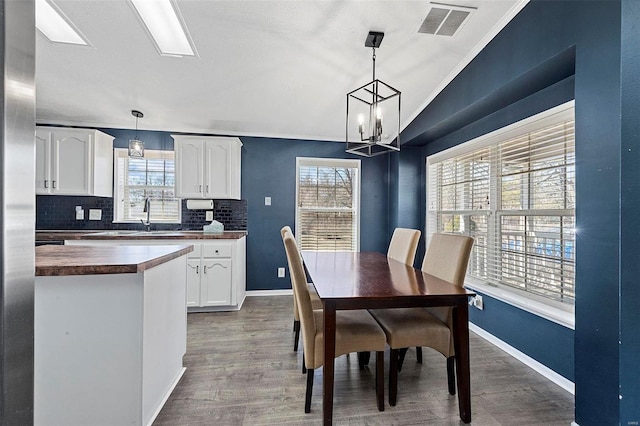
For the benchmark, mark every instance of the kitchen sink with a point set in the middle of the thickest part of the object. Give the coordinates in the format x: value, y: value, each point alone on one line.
x: 159, y: 233
x: 115, y: 233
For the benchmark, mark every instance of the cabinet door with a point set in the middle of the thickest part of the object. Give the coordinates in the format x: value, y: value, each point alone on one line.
x: 216, y: 282
x: 193, y: 282
x: 189, y: 169
x: 217, y: 169
x: 43, y: 162
x: 71, y: 165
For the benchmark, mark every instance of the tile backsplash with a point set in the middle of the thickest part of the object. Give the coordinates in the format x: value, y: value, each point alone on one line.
x: 58, y: 212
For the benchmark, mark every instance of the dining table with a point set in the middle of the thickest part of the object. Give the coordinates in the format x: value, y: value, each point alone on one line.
x: 371, y: 280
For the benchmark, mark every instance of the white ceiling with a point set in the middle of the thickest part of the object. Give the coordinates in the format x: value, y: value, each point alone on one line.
x: 265, y: 68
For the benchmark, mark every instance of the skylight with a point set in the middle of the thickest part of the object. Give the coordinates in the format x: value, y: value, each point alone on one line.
x: 55, y: 25
x: 165, y: 25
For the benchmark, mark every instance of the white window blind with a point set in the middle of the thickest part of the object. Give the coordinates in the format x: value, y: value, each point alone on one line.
x: 514, y: 192
x: 150, y: 177
x: 327, y: 204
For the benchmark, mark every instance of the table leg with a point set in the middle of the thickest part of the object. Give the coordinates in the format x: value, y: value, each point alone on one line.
x: 329, y: 356
x: 461, y: 346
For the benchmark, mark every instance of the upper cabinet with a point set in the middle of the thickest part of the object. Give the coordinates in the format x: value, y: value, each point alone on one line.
x: 207, y: 167
x: 73, y: 162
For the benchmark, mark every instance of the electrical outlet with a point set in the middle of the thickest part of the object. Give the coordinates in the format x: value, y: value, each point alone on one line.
x: 209, y: 215
x: 478, y: 302
x: 95, y: 214
x: 79, y: 213
x: 280, y: 272
x: 267, y: 201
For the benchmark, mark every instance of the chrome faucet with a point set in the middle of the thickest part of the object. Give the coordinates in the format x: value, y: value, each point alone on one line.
x: 147, y: 210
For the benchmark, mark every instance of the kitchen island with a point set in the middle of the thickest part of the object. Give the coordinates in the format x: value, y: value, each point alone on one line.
x: 110, y: 332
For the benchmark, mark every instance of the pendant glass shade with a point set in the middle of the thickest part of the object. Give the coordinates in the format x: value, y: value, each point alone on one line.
x: 136, y: 148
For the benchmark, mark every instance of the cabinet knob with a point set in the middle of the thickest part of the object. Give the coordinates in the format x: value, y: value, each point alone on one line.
x: 205, y: 269
x: 200, y: 188
x: 46, y: 183
x: 197, y: 269
x: 53, y: 182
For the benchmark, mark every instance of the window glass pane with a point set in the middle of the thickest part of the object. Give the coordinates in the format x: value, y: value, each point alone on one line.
x: 326, y: 218
x: 151, y: 177
x: 526, y: 240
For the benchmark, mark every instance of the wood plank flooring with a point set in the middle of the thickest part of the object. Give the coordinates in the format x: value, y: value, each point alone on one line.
x: 241, y: 370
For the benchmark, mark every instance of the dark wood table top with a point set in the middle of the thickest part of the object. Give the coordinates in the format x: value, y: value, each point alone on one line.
x: 90, y: 260
x: 369, y: 276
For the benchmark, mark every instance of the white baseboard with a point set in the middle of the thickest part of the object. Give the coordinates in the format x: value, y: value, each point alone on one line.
x: 574, y: 424
x: 252, y: 293
x: 556, y: 378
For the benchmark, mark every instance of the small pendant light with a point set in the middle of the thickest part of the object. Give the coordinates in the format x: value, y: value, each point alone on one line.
x: 136, y: 146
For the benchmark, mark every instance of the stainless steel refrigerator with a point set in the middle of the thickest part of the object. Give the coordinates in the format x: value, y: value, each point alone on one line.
x: 17, y: 214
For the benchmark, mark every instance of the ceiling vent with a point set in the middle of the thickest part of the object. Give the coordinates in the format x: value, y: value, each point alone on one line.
x: 445, y: 19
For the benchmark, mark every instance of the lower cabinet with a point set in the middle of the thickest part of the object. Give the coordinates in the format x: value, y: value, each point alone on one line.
x: 216, y: 270
x: 210, y: 276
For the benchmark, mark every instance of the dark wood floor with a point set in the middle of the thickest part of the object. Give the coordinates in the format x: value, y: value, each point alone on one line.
x: 241, y: 370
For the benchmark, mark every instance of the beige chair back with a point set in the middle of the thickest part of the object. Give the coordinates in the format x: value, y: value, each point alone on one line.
x: 301, y: 294
x: 403, y: 245
x: 296, y: 314
x: 447, y: 257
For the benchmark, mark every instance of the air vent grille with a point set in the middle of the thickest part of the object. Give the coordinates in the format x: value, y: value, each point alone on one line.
x: 445, y: 19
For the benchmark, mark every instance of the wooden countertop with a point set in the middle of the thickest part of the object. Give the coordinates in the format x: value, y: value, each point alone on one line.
x: 136, y: 235
x: 93, y: 260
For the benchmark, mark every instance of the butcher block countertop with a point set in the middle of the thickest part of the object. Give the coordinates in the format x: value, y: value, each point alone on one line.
x: 54, y: 260
x: 136, y: 235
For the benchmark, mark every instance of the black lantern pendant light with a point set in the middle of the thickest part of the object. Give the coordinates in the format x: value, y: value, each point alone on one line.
x: 366, y: 134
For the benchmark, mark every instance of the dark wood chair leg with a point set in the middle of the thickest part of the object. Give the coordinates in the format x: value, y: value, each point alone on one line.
x: 296, y: 337
x: 307, y: 399
x: 419, y: 354
x: 380, y: 379
x: 401, y: 352
x: 451, y: 375
x: 393, y: 376
x: 363, y: 359
x: 304, y: 367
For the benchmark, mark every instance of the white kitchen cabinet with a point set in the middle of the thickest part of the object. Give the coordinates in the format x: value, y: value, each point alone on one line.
x: 73, y: 162
x: 216, y: 270
x: 207, y: 167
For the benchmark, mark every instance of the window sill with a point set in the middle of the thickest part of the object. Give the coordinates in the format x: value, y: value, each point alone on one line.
x: 526, y: 303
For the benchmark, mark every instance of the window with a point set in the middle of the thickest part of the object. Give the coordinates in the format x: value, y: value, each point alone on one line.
x: 150, y: 177
x: 514, y: 192
x: 327, y: 199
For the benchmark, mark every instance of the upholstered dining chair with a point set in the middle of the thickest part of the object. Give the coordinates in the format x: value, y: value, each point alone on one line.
x: 355, y: 330
x: 403, y: 245
x: 316, y: 303
x: 446, y: 258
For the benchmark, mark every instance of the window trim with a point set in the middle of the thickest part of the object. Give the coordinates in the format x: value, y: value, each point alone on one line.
x: 330, y: 162
x: 548, y: 309
x: 117, y: 193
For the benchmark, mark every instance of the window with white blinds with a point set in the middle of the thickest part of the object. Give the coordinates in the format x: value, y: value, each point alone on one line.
x: 514, y: 192
x: 137, y: 179
x: 327, y: 199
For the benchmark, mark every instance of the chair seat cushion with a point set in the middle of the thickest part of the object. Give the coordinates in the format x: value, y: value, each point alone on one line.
x: 407, y: 327
x: 356, y: 331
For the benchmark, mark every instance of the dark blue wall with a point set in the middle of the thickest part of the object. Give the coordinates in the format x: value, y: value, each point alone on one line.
x: 630, y: 220
x: 406, y: 193
x: 269, y: 170
x: 550, y: 52
x: 542, y: 340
